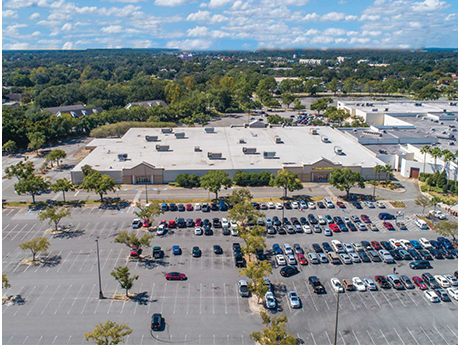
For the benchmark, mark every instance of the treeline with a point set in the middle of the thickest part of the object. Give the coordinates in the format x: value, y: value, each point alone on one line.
x: 241, y: 178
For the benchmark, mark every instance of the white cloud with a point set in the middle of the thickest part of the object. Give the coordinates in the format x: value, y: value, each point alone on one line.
x: 190, y: 44
x: 112, y: 29
x: 143, y: 44
x: 429, y: 6
x: 27, y: 3
x: 371, y: 33
x: 351, y: 17
x: 172, y: 3
x: 68, y: 45
x: 35, y: 15
x: 128, y: 1
x: 359, y: 40
x: 273, y: 3
x: 370, y: 17
x: 312, y: 17
x: 218, y: 18
x: 36, y: 33
x: 334, y: 32
x: 9, y: 14
x: 340, y: 40
x: 198, y: 31
x: 199, y: 16
x: 16, y: 46
x: 203, y: 4
x: 219, y: 3
x: 333, y: 17
x: 67, y: 27
x: 12, y: 30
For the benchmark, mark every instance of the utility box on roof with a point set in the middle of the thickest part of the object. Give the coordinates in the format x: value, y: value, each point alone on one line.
x: 151, y: 137
x: 209, y: 129
x: 249, y: 150
x: 180, y: 135
x: 162, y: 147
x: 214, y: 155
x: 338, y: 150
x: 166, y: 130
x: 269, y: 154
x: 313, y: 131
x: 277, y: 139
x: 122, y: 156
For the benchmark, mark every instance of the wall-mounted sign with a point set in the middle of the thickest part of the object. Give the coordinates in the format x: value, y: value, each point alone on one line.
x: 322, y: 168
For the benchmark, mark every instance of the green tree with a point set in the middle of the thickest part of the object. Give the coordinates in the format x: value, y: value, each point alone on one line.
x: 53, y: 215
x: 5, y: 282
x: 435, y: 152
x: 214, y: 180
x: 435, y: 202
x: 275, y: 119
x: 63, y: 185
x: 388, y: 169
x: 448, y: 157
x: 33, y: 184
x: 345, y: 179
x: 298, y: 105
x: 35, y: 245
x: 256, y: 271
x: 99, y: 183
x: 286, y: 179
x: 123, y: 276
x: 150, y: 211
x: 188, y: 180
x: 288, y: 98
x: 333, y: 84
x: 447, y: 228
x: 56, y: 155
x: 422, y: 201
x: 131, y: 239
x: 9, y: 146
x: 321, y: 104
x: 424, y: 150
x: 274, y: 332
x: 21, y: 170
x: 36, y: 140
x: 109, y: 333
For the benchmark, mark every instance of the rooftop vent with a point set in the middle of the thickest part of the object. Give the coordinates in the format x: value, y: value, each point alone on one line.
x: 386, y: 109
x: 418, y: 104
x: 162, y: 147
x: 151, y: 137
x: 214, y: 155
x: 325, y: 139
x: 444, y: 110
x: 197, y: 149
x: 338, y: 150
x: 209, y: 129
x: 269, y: 154
x: 249, y: 150
x: 122, y: 157
x: 377, y: 134
x: 313, y: 131
x: 277, y: 139
x: 180, y: 135
x: 375, y: 109
x: 166, y: 130
x: 453, y: 103
x: 242, y: 141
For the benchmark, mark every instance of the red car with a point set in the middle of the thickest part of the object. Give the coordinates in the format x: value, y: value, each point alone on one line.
x: 146, y: 223
x: 302, y: 259
x: 175, y: 276
x: 376, y: 245
x: 334, y: 227
x: 340, y: 204
x: 420, y: 283
x: 198, y: 222
x: 172, y: 224
x: 189, y: 207
x: 164, y: 223
x: 365, y: 218
x: 388, y: 225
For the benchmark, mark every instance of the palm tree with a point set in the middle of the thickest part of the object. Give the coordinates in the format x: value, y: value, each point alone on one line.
x: 448, y: 157
x: 425, y: 149
x: 377, y: 169
x: 434, y: 202
x: 388, y: 169
x: 435, y: 152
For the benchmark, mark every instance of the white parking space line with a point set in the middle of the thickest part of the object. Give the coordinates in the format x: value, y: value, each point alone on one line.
x: 59, y: 254
x: 9, y: 341
x: 13, y: 260
x: 341, y: 336
x: 313, y: 338
x: 33, y: 226
x: 54, y: 340
x: 75, y: 299
x: 65, y: 295
x: 384, y: 295
x: 51, y: 298
x: 175, y: 298
x: 14, y: 227
x: 357, y: 340
x: 364, y: 303
x: 424, y: 298
x: 36, y: 300
x: 29, y: 294
x: 151, y: 298
x: 89, y: 297
x: 375, y: 299
x: 456, y: 336
x: 383, y: 335
x: 74, y: 261
x: 440, y: 334
x: 27, y: 337
x: 164, y: 297
x: 39, y: 231
x: 408, y: 293
x: 212, y: 294
x: 95, y: 227
x: 426, y: 335
x: 68, y: 341
x: 311, y: 297
x: 402, y: 341
x: 412, y: 335
x: 62, y: 262
x: 225, y: 299
x: 110, y: 305
x: 352, y: 304
x: 327, y: 336
x: 373, y: 343
x: 237, y: 299
x: 397, y: 295
x: 107, y: 259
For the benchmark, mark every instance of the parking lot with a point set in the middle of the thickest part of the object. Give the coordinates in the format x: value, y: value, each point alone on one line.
x: 205, y: 309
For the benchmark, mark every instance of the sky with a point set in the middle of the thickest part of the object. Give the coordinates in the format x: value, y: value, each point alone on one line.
x: 229, y: 25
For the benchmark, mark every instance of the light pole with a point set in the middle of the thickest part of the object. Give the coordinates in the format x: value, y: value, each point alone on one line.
x: 145, y: 185
x: 336, y: 317
x: 101, y: 296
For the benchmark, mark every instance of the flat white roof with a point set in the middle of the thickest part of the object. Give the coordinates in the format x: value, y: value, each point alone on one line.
x: 401, y: 107
x: 299, y: 147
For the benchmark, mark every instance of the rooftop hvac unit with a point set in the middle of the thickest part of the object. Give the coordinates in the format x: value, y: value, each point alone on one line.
x: 452, y: 103
x: 418, y: 104
x: 242, y: 141
x: 377, y: 134
x: 209, y: 129
x: 277, y: 139
x: 444, y: 110
x: 249, y: 150
x: 386, y: 109
x: 197, y: 149
x: 166, y: 130
x: 313, y: 131
x: 180, y: 135
x: 122, y: 156
x: 162, y: 147
x: 269, y: 154
x: 214, y: 155
x: 324, y: 139
x: 151, y: 137
x: 375, y: 109
x: 338, y: 150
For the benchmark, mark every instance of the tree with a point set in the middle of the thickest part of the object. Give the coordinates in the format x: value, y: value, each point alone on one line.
x: 214, y: 180
x: 63, y: 185
x: 53, y: 215
x: 132, y: 240
x: 36, y: 140
x: 99, y: 183
x: 21, y: 170
x: 274, y: 119
x: 447, y: 228
x: 256, y: 271
x: 188, y: 180
x: 151, y: 211
x: 434, y: 202
x: 286, y: 179
x: 123, y: 276
x: 321, y: 104
x: 35, y: 245
x: 274, y: 332
x: 377, y: 169
x: 388, y: 169
x: 448, y: 157
x: 109, y: 333
x: 9, y: 146
x: 5, y: 282
x: 253, y: 239
x: 423, y: 201
x: 345, y: 179
x: 424, y: 150
x: 435, y: 152
x: 298, y: 105
x: 288, y: 98
x: 33, y: 184
x: 240, y: 196
x: 56, y: 156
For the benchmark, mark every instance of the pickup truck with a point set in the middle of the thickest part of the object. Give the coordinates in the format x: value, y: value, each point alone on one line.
x: 157, y: 253
x: 316, y: 284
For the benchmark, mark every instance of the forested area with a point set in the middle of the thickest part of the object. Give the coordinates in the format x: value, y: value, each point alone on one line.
x: 199, y: 89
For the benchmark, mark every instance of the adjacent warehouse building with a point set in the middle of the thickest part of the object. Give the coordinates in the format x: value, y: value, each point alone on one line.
x: 158, y: 155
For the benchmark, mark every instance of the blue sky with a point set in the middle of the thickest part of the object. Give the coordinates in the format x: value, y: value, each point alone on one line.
x: 229, y: 25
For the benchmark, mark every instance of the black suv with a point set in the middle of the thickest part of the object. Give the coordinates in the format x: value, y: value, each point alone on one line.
x: 157, y: 322
x: 316, y: 284
x: 430, y: 281
x: 289, y: 271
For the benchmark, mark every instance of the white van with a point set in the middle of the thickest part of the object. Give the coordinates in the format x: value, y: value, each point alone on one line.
x: 421, y: 223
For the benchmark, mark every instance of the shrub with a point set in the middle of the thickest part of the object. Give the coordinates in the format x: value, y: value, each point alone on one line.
x: 188, y: 180
x: 245, y: 179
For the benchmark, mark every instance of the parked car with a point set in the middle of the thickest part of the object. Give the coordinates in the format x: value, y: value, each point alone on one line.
x: 243, y: 288
x: 386, y: 216
x: 419, y: 264
x: 176, y: 250
x: 453, y: 292
x: 316, y: 284
x: 369, y: 284
x: 430, y: 281
x: 442, y: 281
x: 289, y: 271
x: 136, y: 223
x: 175, y: 276
x: 419, y: 283
x: 337, y: 285
x: 431, y: 296
x: 270, y: 301
x: 217, y: 249
x: 294, y: 299
x: 196, y: 252
x: 358, y: 284
x: 383, y: 282
x: 156, y: 323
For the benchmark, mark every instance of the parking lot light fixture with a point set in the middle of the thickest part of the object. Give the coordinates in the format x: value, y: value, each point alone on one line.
x: 101, y: 295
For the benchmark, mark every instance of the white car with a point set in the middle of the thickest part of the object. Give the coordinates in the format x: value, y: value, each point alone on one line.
x: 279, y: 206
x: 311, y: 205
x: 322, y: 220
x: 348, y: 247
x: 270, y: 205
x: 431, y: 296
x: 386, y: 256
x: 322, y: 258
x: 225, y: 223
x: 354, y: 257
x: 161, y: 230
x: 234, y: 232
x: 270, y: 301
x: 197, y: 207
x: 303, y: 204
x: 337, y: 246
x: 136, y: 223
x: 233, y: 224
x: 345, y: 258
x: 453, y: 292
x: 337, y: 285
x: 327, y: 231
x: 357, y: 246
x: 405, y: 243
x: 369, y: 284
x: 452, y: 280
x: 287, y: 249
x: 329, y: 203
x: 346, y: 220
x: 295, y: 205
x: 306, y: 229
x: 437, y: 214
x: 370, y: 204
x: 280, y: 260
x: 291, y: 259
x: 442, y: 280
x: 198, y: 231
x: 313, y: 258
x: 425, y: 243
x: 358, y: 283
x: 395, y: 243
x: 380, y: 204
x: 294, y: 300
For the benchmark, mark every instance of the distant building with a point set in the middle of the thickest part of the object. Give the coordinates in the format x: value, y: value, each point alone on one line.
x: 11, y: 104
x: 310, y: 61
x: 15, y: 97
x: 76, y: 110
x: 147, y: 104
x: 186, y: 57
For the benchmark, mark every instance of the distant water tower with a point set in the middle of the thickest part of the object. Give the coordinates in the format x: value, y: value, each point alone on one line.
x: 294, y: 56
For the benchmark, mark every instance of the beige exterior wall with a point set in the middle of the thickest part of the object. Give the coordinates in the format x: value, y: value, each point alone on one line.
x: 143, y: 170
